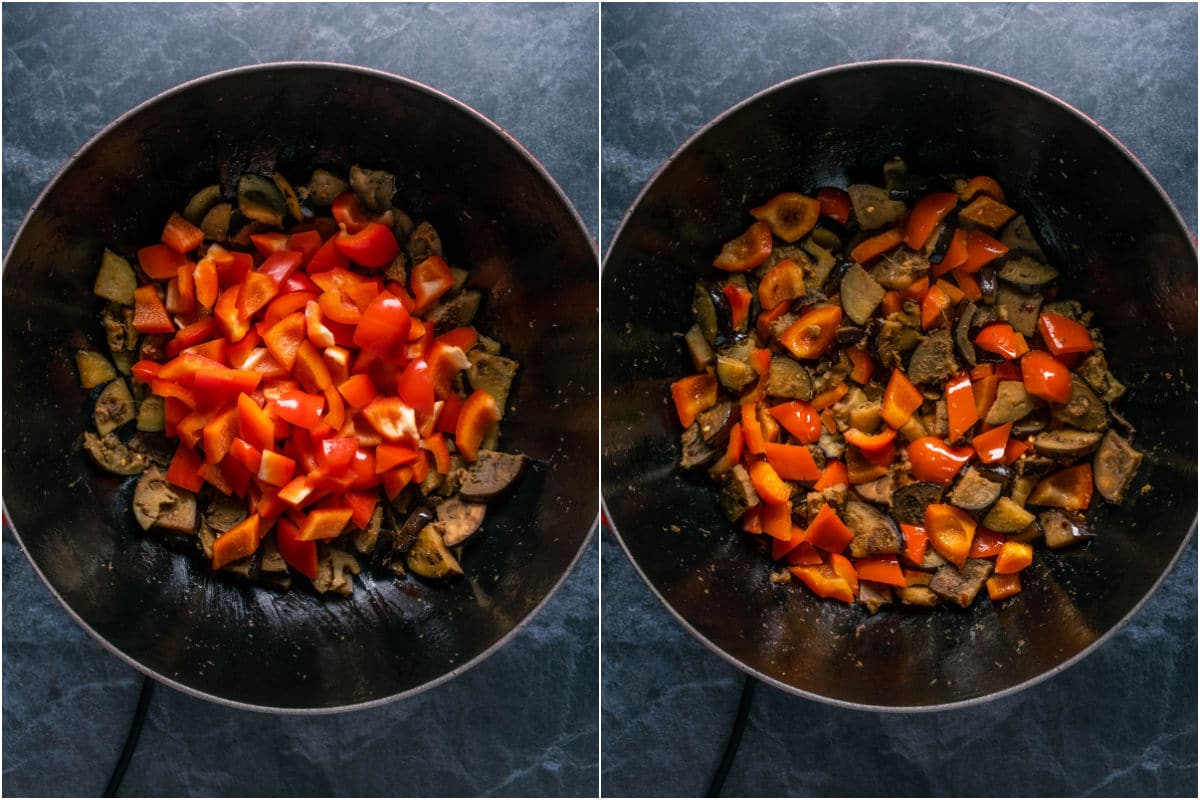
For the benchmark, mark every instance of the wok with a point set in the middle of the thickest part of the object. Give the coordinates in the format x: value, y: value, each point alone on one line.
x: 1124, y: 252
x: 498, y: 212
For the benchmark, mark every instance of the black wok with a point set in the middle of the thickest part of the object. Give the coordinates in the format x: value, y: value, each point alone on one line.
x: 1125, y: 253
x: 498, y: 212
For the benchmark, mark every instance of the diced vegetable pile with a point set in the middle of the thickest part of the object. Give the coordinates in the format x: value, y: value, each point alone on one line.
x: 300, y: 363
x: 892, y: 395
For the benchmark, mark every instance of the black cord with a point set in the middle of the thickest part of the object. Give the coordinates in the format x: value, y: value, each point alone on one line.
x: 735, y: 738
x: 131, y: 738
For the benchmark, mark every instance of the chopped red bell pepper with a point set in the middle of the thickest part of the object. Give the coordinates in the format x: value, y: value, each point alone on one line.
x: 933, y: 307
x: 298, y: 408
x: 1063, y: 335
x: 877, y: 245
x: 181, y: 235
x: 254, y: 424
x: 777, y: 520
x: 149, y: 313
x: 746, y: 251
x: 934, y: 461
x: 926, y: 215
x: 799, y: 419
x: 812, y: 335
x: 350, y: 213
x: 324, y: 523
x: 299, y: 555
x: 955, y: 256
x: 184, y: 470
x: 160, y: 262
x: 960, y: 406
x: 276, y: 469
x: 872, y: 445
x: 219, y: 433
x: 328, y: 257
x: 394, y: 420
x: 232, y: 323
x: 416, y: 386
x: 693, y: 395
x: 900, y: 400
x: 384, y: 325
x: 791, y: 462
x: 863, y: 365
x: 306, y: 243
x: 834, y: 474
x: 739, y: 303
x: 915, y: 542
x: 881, y: 569
x: 990, y: 445
x: 950, y: 531
x: 372, y: 247
x: 358, y: 390
x: 238, y: 542
x: 1001, y: 339
x: 284, y: 338
x: 310, y: 368
x: 835, y: 204
x: 246, y: 454
x: 195, y: 333
x: 1046, y: 377
x: 981, y: 251
x: 986, y: 543
x: 479, y: 413
x: 267, y: 244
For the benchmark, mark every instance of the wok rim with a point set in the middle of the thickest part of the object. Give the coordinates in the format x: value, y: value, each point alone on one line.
x: 948, y: 66
x: 252, y: 69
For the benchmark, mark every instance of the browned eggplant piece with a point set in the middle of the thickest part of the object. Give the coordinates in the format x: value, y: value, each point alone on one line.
x: 820, y: 264
x: 734, y: 374
x: 1022, y: 309
x: 159, y: 504
x: 373, y: 187
x: 985, y: 212
x: 974, y: 491
x: 850, y: 335
x: 112, y: 455
x: 874, y: 595
x: 1114, y: 467
x: 830, y: 234
x: 860, y: 294
x: 1027, y: 274
x: 933, y: 360
x: 909, y: 502
x: 290, y: 199
x: 335, y: 571
x: 694, y: 451
x: 875, y: 534
x: 961, y: 586
x: 1018, y: 238
x: 456, y: 312
x: 272, y: 569
x: 1012, y: 403
x: 429, y: 556
x: 114, y: 407
x: 492, y: 474
x: 1034, y: 422
x: 1071, y: 309
x: 789, y: 378
x: 493, y: 374
x: 1007, y: 517
x: 962, y: 333
x: 397, y: 540
x: 879, y: 491
x: 459, y: 520
x: 201, y: 202
x: 324, y: 187
x: 119, y: 332
x: 900, y: 269
x: 1094, y: 370
x: 873, y: 208
x: 713, y: 314
x: 737, y: 493
x: 917, y: 596
x: 94, y: 369
x: 941, y: 243
x: 716, y: 422
x: 422, y: 243
x: 1083, y: 410
x: 366, y: 539
x: 217, y: 221
x: 699, y: 349
x: 224, y: 512
x: 259, y: 199
x: 898, y: 334
x: 151, y: 414
x: 1066, y: 443
x: 116, y: 280
x: 1063, y: 529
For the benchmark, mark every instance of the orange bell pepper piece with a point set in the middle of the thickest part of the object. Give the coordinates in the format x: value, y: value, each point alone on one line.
x: 812, y: 335
x: 1014, y: 557
x: 881, y: 569
x: 877, y: 245
x: 934, y: 461
x: 1000, y: 587
x: 1063, y: 335
x: 926, y: 215
x: 792, y: 462
x: 960, y: 405
x: 900, y: 400
x: 777, y: 520
x: 479, y: 413
x: 990, y: 445
x: 149, y: 313
x: 770, y: 487
x: 951, y: 531
x: 799, y: 419
x: 1046, y: 377
x: 238, y: 542
x: 1069, y: 488
x: 827, y: 531
x: 915, y: 542
x: 692, y: 395
x: 833, y: 475
x: 825, y: 581
x: 783, y: 282
x: 324, y: 523
x: 746, y: 251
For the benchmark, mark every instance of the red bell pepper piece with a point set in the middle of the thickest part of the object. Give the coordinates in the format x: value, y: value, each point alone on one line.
x: 990, y: 445
x: 267, y: 244
x: 960, y: 405
x: 219, y: 434
x: 872, y: 445
x: 232, y: 323
x: 799, y: 419
x: 276, y: 469
x: 181, y: 235
x: 833, y: 475
x: 791, y: 462
x: 1063, y: 335
x: 246, y: 454
x: 149, y: 313
x: 900, y: 400
x: 334, y: 455
x: 306, y: 243
x: 824, y: 581
x: 170, y: 389
x: 915, y: 541
x: 238, y: 542
x: 310, y: 368
x: 955, y: 257
x: 372, y: 247
x: 145, y: 370
x: 877, y: 245
x: 462, y: 338
x: 935, y: 461
x: 1000, y: 587
x: 395, y: 480
x: 394, y: 420
x: 926, y: 215
x: 1069, y: 488
x: 416, y: 386
x: 257, y: 291
x: 986, y: 543
x: 881, y: 569
x: 299, y: 555
x: 384, y: 325
x: 284, y: 338
x: 479, y: 414
x: 429, y: 281
x: 951, y: 531
x: 811, y: 336
x: 280, y: 266
x: 863, y: 365
x: 1013, y: 557
x: 1046, y: 377
x: 777, y: 520
x: 692, y: 395
x: 184, y: 470
x: 746, y: 251
x: 739, y: 302
x: 195, y: 333
x: 363, y: 469
x: 1001, y: 339
x: 767, y: 483
x: 349, y: 212
x: 362, y: 506
x: 299, y: 408
x: 284, y: 305
x: 327, y: 257
x: 933, y: 307
x: 358, y: 390
x: 447, y: 421
x: 835, y: 204
x: 216, y: 387
x: 190, y: 429
x: 160, y: 262
x: 184, y: 368
x: 981, y: 251
x: 436, y: 446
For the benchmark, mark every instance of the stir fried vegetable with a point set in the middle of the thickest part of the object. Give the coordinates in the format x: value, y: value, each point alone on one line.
x: 306, y: 383
x: 890, y: 390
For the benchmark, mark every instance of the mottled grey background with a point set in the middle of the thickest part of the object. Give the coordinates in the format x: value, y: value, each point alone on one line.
x: 523, y: 722
x: 1123, y: 721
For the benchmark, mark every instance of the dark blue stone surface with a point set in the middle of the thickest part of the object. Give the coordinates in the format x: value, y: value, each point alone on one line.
x: 1121, y: 722
x: 523, y: 722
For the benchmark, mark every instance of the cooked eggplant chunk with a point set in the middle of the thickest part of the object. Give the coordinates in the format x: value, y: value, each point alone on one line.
x: 874, y: 595
x: 737, y: 493
x: 201, y: 202
x: 695, y: 451
x: 1012, y: 403
x: 1018, y: 238
x: 933, y: 360
x: 716, y: 422
x: 1063, y: 529
x: 223, y: 513
x: 429, y: 556
x: 1114, y: 467
x: 159, y: 504
x: 1083, y: 410
x: 900, y: 270
x: 860, y: 294
x: 1094, y: 370
x: 699, y: 349
x: 114, y: 407
x: 879, y: 491
x: 909, y: 502
x: 975, y: 492
x: 873, y: 208
x: 151, y: 414
x: 1065, y: 443
x: 788, y: 378
x: 259, y: 199
x: 110, y: 454
x: 1027, y: 273
x: 1007, y: 517
x: 493, y: 374
x: 94, y: 369
x: 459, y: 520
x: 324, y: 187
x: 456, y: 312
x: 898, y: 334
x: 116, y: 280
x: 422, y: 243
x: 272, y: 569
x: 875, y: 534
x: 335, y: 571
x: 962, y: 333
x: 366, y: 539
x: 961, y: 586
x: 216, y: 222
x: 921, y: 596
x: 373, y: 187
x: 492, y: 474
x: 1022, y: 309
x: 735, y: 374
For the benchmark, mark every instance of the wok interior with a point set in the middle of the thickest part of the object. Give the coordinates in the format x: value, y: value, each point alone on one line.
x: 1123, y: 253
x: 497, y: 215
